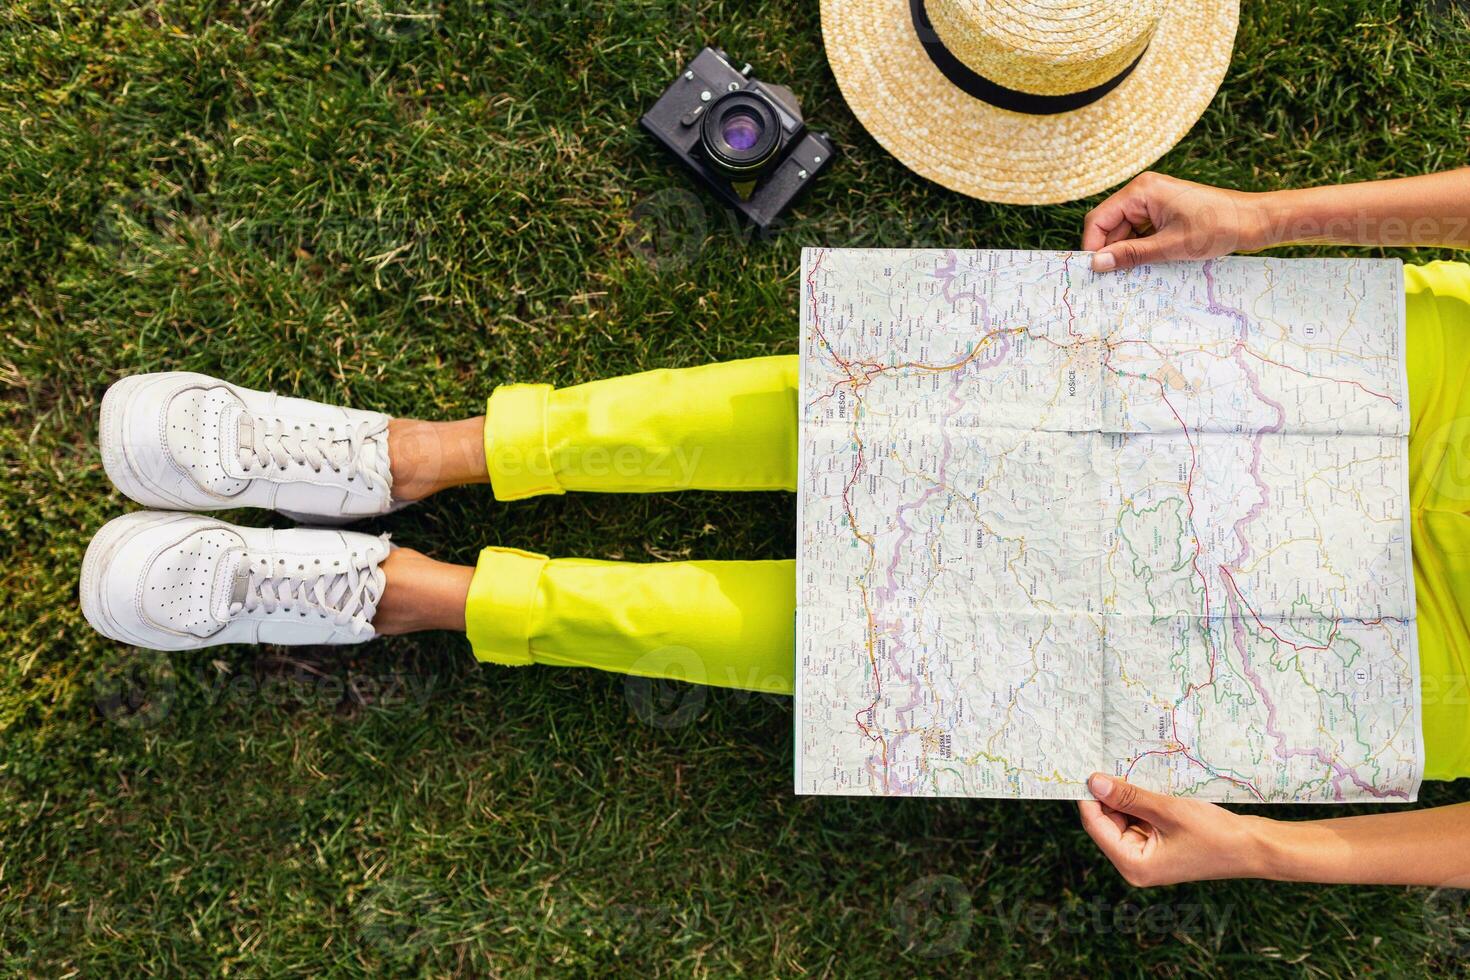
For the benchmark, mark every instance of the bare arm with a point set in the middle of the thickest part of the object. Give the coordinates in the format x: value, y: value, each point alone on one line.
x: 1157, y: 218
x: 1414, y: 847
x: 1432, y: 210
x: 1159, y: 840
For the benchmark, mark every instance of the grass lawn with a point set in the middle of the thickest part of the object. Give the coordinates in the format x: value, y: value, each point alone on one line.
x: 399, y: 204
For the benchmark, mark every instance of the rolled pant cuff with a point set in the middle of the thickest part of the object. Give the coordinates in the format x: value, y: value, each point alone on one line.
x: 515, y: 442
x: 501, y: 605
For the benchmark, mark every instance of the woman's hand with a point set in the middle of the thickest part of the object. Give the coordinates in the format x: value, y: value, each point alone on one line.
x: 1160, y: 840
x: 1159, y: 219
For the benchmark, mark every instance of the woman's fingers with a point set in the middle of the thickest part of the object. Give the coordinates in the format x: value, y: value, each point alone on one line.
x: 1120, y: 233
x: 1121, y: 842
x: 1104, y: 221
x: 1094, y: 812
x: 1095, y: 234
x: 1124, y: 211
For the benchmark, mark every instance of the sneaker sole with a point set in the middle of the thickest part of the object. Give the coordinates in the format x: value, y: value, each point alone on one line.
x: 105, y: 544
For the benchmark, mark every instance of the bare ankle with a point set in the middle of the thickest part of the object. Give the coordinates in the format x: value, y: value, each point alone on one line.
x: 427, y: 457
x: 421, y: 594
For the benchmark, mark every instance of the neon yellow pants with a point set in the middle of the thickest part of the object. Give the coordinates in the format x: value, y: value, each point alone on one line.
x: 718, y: 427
x: 733, y: 426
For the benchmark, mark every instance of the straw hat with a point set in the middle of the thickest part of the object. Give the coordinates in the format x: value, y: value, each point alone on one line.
x: 1028, y: 101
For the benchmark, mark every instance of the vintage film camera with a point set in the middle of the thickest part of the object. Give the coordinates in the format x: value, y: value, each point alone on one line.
x: 745, y: 138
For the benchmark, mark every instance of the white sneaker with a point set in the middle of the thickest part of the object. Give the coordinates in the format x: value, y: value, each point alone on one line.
x: 184, y: 441
x: 179, y: 582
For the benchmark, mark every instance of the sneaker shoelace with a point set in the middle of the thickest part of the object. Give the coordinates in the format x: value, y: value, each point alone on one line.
x: 348, y: 597
x: 273, y: 444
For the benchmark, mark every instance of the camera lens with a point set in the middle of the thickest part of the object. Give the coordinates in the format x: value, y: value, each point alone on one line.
x: 741, y: 130
x: 741, y: 134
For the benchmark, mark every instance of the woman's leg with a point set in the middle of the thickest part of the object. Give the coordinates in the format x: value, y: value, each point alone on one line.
x: 719, y: 426
x: 728, y: 624
x: 176, y: 581
x: 178, y: 440
x: 725, y: 623
x: 426, y: 457
x: 421, y: 594
x: 729, y: 426
x: 183, y: 441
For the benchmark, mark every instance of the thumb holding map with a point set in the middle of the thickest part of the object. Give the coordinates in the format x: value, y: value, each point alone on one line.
x: 1131, y: 252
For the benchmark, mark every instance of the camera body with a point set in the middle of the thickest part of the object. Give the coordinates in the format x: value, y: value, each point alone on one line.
x: 744, y: 138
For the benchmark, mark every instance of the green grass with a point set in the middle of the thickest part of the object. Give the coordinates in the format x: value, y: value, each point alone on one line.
x: 400, y: 204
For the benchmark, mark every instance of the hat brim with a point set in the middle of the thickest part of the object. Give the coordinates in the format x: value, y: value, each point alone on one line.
x: 941, y: 132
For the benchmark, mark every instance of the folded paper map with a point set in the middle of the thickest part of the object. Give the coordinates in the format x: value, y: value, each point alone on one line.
x: 1150, y: 523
